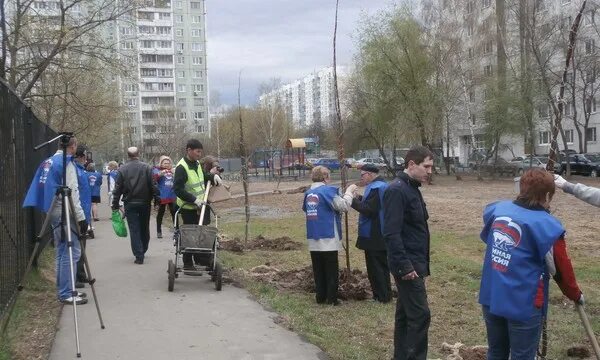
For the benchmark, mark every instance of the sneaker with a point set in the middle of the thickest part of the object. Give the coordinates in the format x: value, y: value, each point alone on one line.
x: 159, y: 235
x: 81, y: 294
x: 91, y: 234
x: 77, y: 300
x: 96, y: 219
x: 139, y: 261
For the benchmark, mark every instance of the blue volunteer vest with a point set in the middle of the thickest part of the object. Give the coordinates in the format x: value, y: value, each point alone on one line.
x: 165, y: 185
x: 95, y: 181
x: 111, y: 175
x: 320, y: 215
x: 85, y: 191
x: 365, y: 223
x: 517, y: 240
x: 45, y: 183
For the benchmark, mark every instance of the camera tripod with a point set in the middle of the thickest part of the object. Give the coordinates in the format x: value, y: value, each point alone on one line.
x: 67, y: 220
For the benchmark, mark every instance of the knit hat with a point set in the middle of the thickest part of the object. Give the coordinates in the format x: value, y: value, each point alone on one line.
x: 162, y: 158
x: 370, y: 168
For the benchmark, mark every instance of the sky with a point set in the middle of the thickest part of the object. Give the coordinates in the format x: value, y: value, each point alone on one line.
x: 286, y: 39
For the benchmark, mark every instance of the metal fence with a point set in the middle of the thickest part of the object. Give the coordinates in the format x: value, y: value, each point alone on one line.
x: 20, y: 131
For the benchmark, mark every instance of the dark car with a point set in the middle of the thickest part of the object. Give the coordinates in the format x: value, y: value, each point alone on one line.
x: 499, y: 166
x: 582, y: 164
x: 330, y: 163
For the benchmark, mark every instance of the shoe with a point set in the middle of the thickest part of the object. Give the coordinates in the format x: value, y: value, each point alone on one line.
x: 77, y: 300
x: 79, y: 285
x: 159, y: 235
x: 81, y: 294
x: 139, y: 261
x: 91, y: 234
x: 96, y: 219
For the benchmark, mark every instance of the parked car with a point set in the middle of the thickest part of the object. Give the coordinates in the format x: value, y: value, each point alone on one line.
x: 535, y: 161
x: 374, y: 161
x: 499, y: 166
x: 350, y: 162
x: 582, y: 164
x: 330, y: 163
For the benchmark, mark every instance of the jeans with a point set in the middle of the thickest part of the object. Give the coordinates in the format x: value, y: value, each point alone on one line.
x: 519, y: 339
x: 64, y: 284
x: 138, y: 221
x: 412, y: 320
x: 161, y: 213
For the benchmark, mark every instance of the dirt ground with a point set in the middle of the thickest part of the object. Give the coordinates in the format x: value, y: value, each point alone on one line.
x: 454, y: 206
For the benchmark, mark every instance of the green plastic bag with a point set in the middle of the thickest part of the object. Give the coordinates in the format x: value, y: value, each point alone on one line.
x: 119, y: 224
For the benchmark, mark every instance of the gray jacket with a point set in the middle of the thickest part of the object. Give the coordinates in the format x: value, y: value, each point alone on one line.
x: 590, y: 195
x: 135, y: 183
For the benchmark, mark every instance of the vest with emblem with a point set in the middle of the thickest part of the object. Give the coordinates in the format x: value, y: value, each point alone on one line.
x: 517, y: 241
x: 364, y: 223
x: 320, y: 215
x: 95, y: 179
x: 85, y: 191
x: 45, y: 183
x: 194, y: 184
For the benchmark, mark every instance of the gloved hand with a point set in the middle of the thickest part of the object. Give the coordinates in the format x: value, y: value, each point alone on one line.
x: 581, y: 300
x: 559, y: 181
x: 351, y: 190
x: 83, y: 228
x: 217, y: 180
x: 199, y: 202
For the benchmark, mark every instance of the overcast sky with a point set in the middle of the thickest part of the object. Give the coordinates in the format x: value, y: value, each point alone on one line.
x: 284, y: 39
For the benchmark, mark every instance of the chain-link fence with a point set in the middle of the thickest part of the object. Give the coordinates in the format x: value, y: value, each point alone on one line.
x: 20, y: 131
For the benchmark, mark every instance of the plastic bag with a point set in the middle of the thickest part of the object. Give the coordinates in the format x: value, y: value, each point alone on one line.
x: 119, y: 224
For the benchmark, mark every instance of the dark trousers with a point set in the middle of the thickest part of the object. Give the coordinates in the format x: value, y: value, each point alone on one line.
x: 81, y: 275
x: 379, y: 274
x: 161, y: 213
x: 138, y: 220
x: 192, y: 217
x: 412, y: 320
x: 325, y: 271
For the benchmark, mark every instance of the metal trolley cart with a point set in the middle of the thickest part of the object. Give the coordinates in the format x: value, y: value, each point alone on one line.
x: 197, y: 239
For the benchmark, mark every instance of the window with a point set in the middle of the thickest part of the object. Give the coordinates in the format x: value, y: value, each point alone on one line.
x: 198, y: 101
x: 196, y: 47
x: 128, y: 45
x: 131, y: 102
x: 486, y: 3
x: 179, y: 4
x: 487, y: 70
x: 164, y: 16
x: 133, y: 130
x: 568, y: 109
x: 590, y: 105
x: 544, y: 138
x: 543, y: 111
x: 126, y: 31
x: 590, y: 18
x: 165, y: 72
x: 181, y: 88
x: 163, y: 44
x: 182, y: 102
x: 129, y: 87
x: 473, y: 119
x: 590, y: 76
x: 195, y: 32
x: 198, y: 87
x: 589, y: 46
x: 488, y: 47
x: 179, y: 32
x: 471, y: 53
x: 198, y: 115
x: 180, y: 74
x: 181, y: 60
x: 197, y: 60
x: 182, y: 115
x: 569, y: 136
x: 179, y: 19
x: 142, y: 15
x: 198, y: 5
x: 590, y: 134
x: 179, y: 46
x: 148, y: 72
x: 146, y: 44
x: 200, y: 128
x: 196, y: 19
x: 163, y: 30
x: 197, y: 74
x: 470, y: 30
x: 146, y: 29
x: 470, y: 7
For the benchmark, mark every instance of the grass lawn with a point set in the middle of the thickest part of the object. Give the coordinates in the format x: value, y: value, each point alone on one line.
x: 31, y: 327
x: 364, y: 330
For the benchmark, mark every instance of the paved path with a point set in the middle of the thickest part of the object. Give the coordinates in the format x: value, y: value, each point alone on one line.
x: 145, y: 321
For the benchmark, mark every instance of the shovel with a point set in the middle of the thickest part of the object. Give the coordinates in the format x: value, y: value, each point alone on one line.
x: 588, y: 329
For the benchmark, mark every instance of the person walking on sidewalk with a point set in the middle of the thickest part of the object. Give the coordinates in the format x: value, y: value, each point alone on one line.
x: 189, y: 186
x: 164, y: 178
x: 370, y: 239
x: 111, y: 179
x: 323, y: 205
x: 96, y: 184
x: 138, y: 188
x: 41, y: 192
x: 406, y: 234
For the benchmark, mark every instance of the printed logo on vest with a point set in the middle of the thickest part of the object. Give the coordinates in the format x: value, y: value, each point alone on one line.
x: 46, y: 165
x: 312, y: 202
x: 507, y: 236
x: 92, y: 180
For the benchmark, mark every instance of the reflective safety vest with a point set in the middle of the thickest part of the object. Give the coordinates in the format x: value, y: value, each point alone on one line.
x: 194, y: 184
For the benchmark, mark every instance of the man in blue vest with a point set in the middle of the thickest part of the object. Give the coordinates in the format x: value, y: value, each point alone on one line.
x: 95, y: 179
x: 323, y: 206
x: 42, y: 192
x: 406, y: 234
x: 369, y: 231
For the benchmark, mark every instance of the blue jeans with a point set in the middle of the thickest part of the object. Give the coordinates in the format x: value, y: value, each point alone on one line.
x: 138, y: 221
x: 63, y: 265
x: 519, y: 339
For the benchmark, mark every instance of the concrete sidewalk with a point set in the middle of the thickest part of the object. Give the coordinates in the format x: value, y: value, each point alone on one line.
x: 145, y: 321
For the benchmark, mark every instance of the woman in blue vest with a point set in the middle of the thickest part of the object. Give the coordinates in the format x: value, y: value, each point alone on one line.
x: 111, y: 180
x: 525, y: 246
x: 95, y: 179
x: 323, y: 205
x: 164, y: 178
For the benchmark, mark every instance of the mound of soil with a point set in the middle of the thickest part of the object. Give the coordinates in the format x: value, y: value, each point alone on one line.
x: 580, y: 352
x: 459, y: 351
x: 353, y: 285
x: 283, y: 243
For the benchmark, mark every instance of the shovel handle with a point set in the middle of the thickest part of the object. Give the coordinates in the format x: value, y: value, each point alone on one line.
x: 588, y: 329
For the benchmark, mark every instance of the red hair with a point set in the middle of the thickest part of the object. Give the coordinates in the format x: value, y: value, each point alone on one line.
x: 536, y: 187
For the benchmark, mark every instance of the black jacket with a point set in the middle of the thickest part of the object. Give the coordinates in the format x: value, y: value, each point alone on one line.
x: 134, y: 181
x: 405, y: 230
x: 370, y: 207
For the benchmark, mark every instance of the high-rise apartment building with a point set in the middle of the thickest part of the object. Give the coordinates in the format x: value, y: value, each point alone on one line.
x: 309, y: 100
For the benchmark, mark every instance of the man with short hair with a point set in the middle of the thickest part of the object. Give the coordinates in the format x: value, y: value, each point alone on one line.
x: 189, y: 185
x: 369, y: 231
x: 406, y: 234
x: 138, y: 188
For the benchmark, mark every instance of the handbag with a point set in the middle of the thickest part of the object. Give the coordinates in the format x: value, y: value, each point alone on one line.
x: 118, y: 224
